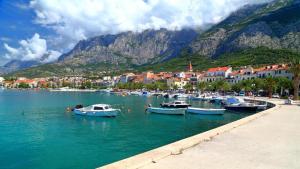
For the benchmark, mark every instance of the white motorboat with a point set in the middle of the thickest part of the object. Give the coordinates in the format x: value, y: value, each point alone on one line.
x: 101, y: 110
x: 205, y: 111
x: 176, y: 104
x: 168, y: 111
x: 137, y: 93
x: 262, y: 106
x: 203, y: 97
x: 217, y: 99
x: 237, y: 104
x: 180, y: 96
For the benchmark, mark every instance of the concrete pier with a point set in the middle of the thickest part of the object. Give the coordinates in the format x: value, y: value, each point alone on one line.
x: 266, y: 140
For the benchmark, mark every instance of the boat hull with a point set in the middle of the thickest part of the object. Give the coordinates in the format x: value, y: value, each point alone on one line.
x: 177, y: 106
x: 166, y: 111
x: 205, y: 111
x: 242, y: 108
x: 96, y: 113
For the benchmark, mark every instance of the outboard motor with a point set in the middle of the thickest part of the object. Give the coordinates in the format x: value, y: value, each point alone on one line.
x: 79, y: 106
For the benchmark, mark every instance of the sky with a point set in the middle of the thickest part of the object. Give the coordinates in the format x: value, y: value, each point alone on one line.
x: 44, y: 29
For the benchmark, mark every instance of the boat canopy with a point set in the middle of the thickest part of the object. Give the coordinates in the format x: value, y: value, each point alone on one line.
x: 232, y: 100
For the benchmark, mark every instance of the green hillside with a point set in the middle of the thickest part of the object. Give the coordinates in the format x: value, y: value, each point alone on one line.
x: 257, y: 57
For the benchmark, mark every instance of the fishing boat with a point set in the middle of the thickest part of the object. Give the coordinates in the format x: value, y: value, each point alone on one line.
x: 205, y: 111
x: 100, y: 110
x: 163, y: 110
x: 175, y: 104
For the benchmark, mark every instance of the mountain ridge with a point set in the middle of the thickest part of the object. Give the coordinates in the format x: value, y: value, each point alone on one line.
x: 273, y: 26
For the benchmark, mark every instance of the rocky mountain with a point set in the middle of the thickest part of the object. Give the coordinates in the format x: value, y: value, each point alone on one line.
x: 275, y: 25
x: 15, y: 65
x: 150, y: 46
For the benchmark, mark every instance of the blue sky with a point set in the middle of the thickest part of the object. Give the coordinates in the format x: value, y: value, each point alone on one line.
x: 32, y: 29
x: 17, y: 23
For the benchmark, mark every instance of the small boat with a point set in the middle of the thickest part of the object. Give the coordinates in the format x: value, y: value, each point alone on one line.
x: 205, y: 111
x: 180, y: 96
x: 263, y: 106
x: 242, y: 107
x: 146, y: 93
x: 239, y: 105
x: 136, y: 93
x: 168, y: 111
x: 176, y: 104
x: 217, y: 99
x: 100, y: 110
x: 202, y: 97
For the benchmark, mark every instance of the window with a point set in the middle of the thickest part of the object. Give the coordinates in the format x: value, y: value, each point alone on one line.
x: 98, y: 108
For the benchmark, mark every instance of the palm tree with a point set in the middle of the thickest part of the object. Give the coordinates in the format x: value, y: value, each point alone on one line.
x: 269, y: 85
x: 295, y: 69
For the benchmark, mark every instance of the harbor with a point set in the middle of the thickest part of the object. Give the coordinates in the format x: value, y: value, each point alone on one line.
x: 41, y: 126
x: 268, y: 140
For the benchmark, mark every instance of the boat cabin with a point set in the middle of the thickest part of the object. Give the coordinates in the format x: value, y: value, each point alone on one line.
x: 99, y: 107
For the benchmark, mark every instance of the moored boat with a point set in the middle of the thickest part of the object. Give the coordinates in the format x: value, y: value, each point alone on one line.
x: 100, y: 110
x: 263, y: 106
x: 175, y: 104
x: 181, y: 96
x: 168, y: 111
x: 203, y: 97
x: 205, y: 111
x: 236, y: 104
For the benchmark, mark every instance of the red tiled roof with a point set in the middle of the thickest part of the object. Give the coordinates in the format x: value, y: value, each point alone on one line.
x: 218, y: 69
x: 25, y: 81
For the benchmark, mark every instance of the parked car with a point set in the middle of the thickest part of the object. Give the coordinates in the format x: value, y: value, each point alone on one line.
x: 276, y: 95
x: 242, y: 93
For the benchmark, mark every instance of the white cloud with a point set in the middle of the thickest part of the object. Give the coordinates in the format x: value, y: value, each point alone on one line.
x: 31, y: 49
x: 74, y: 20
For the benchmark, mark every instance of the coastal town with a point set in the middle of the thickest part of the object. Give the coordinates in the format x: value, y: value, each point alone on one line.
x: 189, y: 80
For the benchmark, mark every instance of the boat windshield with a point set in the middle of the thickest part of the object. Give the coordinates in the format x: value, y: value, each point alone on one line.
x: 98, y: 108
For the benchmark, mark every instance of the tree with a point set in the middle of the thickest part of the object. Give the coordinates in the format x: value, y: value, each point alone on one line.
x: 295, y: 69
x: 270, y: 85
x: 202, y: 86
x: 283, y: 84
x: 23, y: 85
x: 175, y: 87
x: 188, y: 87
x: 221, y: 85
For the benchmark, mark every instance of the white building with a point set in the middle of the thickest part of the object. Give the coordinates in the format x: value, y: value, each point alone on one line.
x: 216, y: 74
x: 1, y: 81
x: 274, y: 71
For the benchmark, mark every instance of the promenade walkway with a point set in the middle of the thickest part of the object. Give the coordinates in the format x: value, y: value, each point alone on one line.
x: 270, y: 140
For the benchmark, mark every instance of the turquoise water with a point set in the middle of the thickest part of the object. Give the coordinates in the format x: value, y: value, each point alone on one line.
x: 37, y: 132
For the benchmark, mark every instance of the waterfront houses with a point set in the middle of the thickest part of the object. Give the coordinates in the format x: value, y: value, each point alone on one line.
x: 247, y: 73
x: 174, y: 80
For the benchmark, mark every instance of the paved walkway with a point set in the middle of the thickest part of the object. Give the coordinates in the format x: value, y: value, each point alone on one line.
x: 269, y: 142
